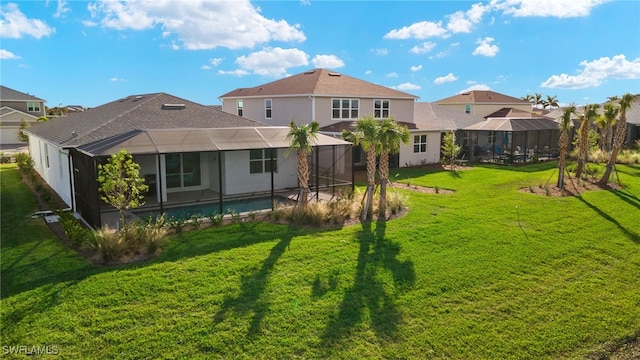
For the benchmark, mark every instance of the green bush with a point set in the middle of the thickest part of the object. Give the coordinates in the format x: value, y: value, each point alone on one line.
x: 216, y: 219
x: 25, y: 162
x: 111, y: 245
x: 72, y: 228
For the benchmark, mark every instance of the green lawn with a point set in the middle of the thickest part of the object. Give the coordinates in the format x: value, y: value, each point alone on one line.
x: 486, y: 272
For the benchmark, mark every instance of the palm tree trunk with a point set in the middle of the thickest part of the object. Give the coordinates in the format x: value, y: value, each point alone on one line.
x: 582, y: 156
x: 562, y: 158
x: 384, y: 175
x: 609, y: 137
x: 371, y: 181
x: 618, y: 141
x: 303, y: 179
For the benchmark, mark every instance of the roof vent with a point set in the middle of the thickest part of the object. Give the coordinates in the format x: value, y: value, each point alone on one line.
x: 173, y: 106
x: 334, y: 74
x: 466, y: 93
x: 138, y: 97
x: 309, y: 72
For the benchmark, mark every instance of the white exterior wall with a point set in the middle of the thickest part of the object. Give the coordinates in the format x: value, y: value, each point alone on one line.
x: 57, y: 173
x: 432, y: 156
x: 238, y: 180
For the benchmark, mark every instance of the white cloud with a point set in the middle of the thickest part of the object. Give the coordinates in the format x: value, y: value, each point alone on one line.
x: 439, y: 55
x: 215, y: 61
x: 199, y: 24
x: 419, y: 30
x: 424, y: 48
x: 595, y: 72
x: 392, y: 75
x: 8, y: 55
x: 237, y: 72
x: 416, y: 68
x: 89, y: 23
x: 485, y: 48
x: 445, y: 79
x: 547, y: 8
x: 14, y: 24
x: 273, y: 61
x: 407, y: 86
x: 462, y: 22
x: 116, y: 79
x: 368, y: 72
x: 61, y: 9
x: 381, y: 52
x: 327, y: 62
x: 475, y: 87
x: 305, y: 2
x: 206, y: 67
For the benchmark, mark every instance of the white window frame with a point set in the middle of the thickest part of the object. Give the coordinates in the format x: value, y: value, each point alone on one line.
x: 33, y: 106
x: 352, y: 108
x: 491, y: 137
x: 379, y: 112
x: 239, y: 107
x: 264, y: 161
x: 268, y: 108
x: 467, y: 109
x: 420, y: 146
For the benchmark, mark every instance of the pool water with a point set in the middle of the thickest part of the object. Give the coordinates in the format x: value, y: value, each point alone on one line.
x: 237, y: 206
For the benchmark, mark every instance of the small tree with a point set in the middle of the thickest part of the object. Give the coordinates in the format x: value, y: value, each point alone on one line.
x: 121, y: 184
x: 300, y: 139
x: 449, y: 148
x: 22, y: 137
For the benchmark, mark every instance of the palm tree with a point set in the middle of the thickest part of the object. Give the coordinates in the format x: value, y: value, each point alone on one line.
x: 551, y: 102
x: 590, y: 113
x: 537, y: 100
x: 366, y: 135
x: 528, y: 98
x: 601, y: 123
x: 300, y: 137
x: 610, y: 114
x: 391, y: 135
x: 565, y: 124
x: 621, y: 130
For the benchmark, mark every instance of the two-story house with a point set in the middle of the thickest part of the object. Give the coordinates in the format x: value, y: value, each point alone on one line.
x: 483, y: 102
x: 336, y: 101
x: 16, y: 106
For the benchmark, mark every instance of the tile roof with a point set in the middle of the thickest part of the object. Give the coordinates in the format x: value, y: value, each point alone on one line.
x: 481, y: 97
x: 319, y: 82
x: 8, y: 94
x: 431, y: 116
x: 136, y: 112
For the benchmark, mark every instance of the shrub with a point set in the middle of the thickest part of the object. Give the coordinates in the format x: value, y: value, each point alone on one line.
x: 25, y: 163
x: 593, y: 171
x: 73, y: 230
x: 216, y: 219
x: 235, y: 217
x: 395, y: 202
x: 196, y: 220
x: 110, y: 244
x: 177, y: 224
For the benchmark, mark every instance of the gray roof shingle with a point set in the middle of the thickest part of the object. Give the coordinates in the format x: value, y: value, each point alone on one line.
x: 136, y: 112
x: 9, y: 94
x: 481, y: 97
x: 431, y: 116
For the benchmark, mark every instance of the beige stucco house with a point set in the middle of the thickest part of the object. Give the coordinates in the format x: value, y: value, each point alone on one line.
x: 482, y: 103
x: 16, y: 106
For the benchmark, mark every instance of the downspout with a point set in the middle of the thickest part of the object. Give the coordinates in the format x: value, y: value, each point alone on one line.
x: 71, y: 187
x: 95, y: 173
x: 333, y: 170
x: 317, y: 173
x: 159, y: 184
x: 353, y: 175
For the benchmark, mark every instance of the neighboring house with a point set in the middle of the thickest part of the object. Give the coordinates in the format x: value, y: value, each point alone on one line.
x: 483, y: 102
x: 16, y: 106
x: 336, y: 101
x: 190, y: 154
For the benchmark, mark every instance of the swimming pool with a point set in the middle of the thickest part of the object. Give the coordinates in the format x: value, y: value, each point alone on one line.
x: 237, y: 206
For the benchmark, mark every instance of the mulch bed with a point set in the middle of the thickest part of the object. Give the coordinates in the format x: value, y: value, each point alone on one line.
x: 572, y: 187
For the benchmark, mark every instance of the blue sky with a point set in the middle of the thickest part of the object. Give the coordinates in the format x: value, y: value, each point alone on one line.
x: 90, y: 53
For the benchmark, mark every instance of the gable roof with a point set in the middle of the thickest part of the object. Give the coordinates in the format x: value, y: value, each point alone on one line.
x: 8, y: 94
x: 148, y: 111
x: 481, y: 97
x: 162, y: 141
x: 319, y: 82
x: 431, y: 116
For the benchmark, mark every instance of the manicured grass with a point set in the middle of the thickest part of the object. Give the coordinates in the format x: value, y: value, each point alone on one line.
x: 485, y: 272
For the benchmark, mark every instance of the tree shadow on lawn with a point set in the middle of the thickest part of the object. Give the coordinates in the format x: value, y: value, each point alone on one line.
x: 630, y: 234
x: 252, y: 288
x: 628, y: 198
x: 376, y: 256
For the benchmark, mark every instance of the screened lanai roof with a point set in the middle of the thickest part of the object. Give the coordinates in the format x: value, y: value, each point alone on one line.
x: 511, y: 124
x: 163, y: 141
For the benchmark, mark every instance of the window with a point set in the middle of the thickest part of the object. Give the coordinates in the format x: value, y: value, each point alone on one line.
x: 46, y: 154
x: 260, y: 161
x: 239, y: 106
x: 267, y: 108
x: 183, y: 170
x: 492, y: 137
x: 420, y: 143
x: 33, y: 106
x: 381, y: 109
x: 344, y: 108
x: 467, y: 109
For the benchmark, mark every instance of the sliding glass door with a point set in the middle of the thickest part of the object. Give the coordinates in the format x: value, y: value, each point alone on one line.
x: 183, y: 170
